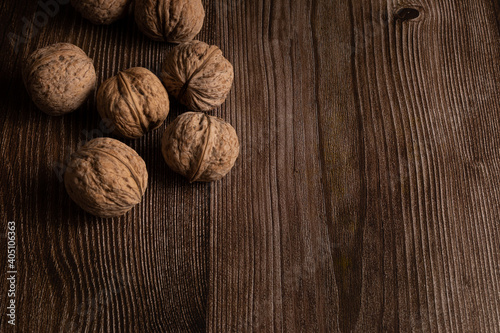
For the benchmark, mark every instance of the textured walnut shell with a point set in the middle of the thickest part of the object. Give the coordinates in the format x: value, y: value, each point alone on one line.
x: 59, y: 78
x: 101, y: 11
x: 198, y: 75
x: 135, y: 101
x: 173, y: 21
x: 106, y: 177
x: 200, y: 147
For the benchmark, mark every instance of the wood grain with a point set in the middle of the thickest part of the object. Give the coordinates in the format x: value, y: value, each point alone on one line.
x: 366, y: 196
x: 146, y: 271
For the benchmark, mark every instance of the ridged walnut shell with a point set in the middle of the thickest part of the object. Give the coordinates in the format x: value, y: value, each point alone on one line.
x: 173, y: 21
x: 101, y: 11
x: 197, y: 75
x: 59, y: 78
x: 200, y: 147
x: 106, y: 177
x: 135, y: 101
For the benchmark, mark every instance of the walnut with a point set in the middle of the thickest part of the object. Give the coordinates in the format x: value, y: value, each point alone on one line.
x: 200, y: 147
x: 173, y: 21
x: 135, y: 101
x: 106, y: 178
x: 197, y: 75
x: 59, y: 78
x: 101, y: 11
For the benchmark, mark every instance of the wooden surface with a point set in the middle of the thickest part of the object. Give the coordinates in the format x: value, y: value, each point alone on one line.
x: 366, y: 197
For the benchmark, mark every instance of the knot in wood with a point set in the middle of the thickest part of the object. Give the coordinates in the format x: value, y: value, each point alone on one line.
x: 407, y: 13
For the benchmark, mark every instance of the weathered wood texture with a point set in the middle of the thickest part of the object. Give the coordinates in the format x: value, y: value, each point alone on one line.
x: 366, y: 197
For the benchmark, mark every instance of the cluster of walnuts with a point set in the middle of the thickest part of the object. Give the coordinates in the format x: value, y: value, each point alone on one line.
x: 105, y: 176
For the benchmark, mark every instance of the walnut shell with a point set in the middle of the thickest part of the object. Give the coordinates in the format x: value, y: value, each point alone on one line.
x: 200, y: 147
x: 173, y: 21
x: 59, y: 78
x: 101, y: 11
x: 135, y: 101
x: 198, y: 75
x: 106, y: 177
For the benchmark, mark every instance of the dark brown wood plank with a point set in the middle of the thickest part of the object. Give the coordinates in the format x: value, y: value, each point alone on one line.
x: 146, y: 271
x: 270, y: 261
x: 406, y: 169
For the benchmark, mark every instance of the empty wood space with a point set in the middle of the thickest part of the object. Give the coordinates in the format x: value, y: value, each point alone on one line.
x: 366, y: 197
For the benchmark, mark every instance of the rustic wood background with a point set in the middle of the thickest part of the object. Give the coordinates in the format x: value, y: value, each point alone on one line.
x: 366, y: 197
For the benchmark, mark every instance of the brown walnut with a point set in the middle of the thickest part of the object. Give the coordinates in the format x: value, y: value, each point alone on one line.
x: 106, y: 178
x: 59, y: 78
x: 135, y: 101
x: 101, y: 11
x: 200, y: 147
x: 173, y: 21
x: 198, y: 75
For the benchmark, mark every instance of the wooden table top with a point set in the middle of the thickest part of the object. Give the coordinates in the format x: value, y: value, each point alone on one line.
x: 366, y: 197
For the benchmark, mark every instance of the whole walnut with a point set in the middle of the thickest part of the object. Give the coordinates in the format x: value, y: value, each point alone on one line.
x: 200, y: 147
x: 101, y: 11
x: 135, y: 101
x: 59, y: 78
x: 106, y: 178
x: 198, y: 75
x: 173, y: 21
